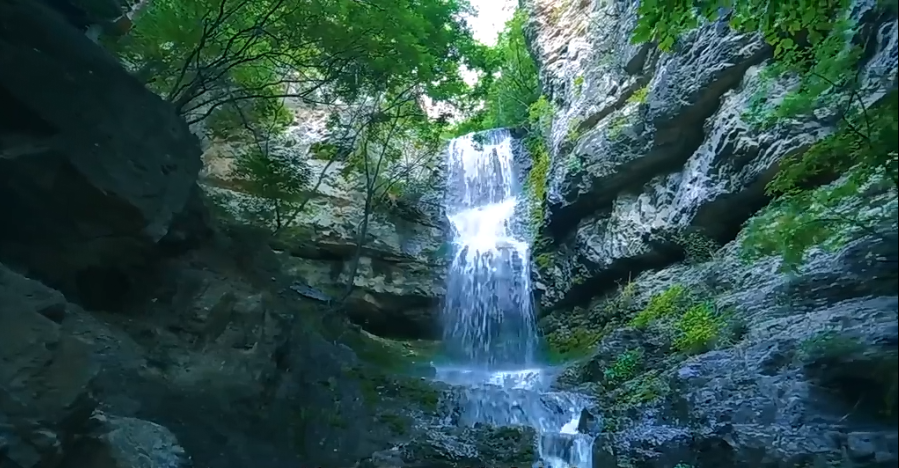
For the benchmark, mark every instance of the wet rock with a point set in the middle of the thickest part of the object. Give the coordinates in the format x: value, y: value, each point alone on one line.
x: 504, y: 447
x: 806, y: 382
x: 46, y: 375
x: 117, y: 442
x: 99, y: 179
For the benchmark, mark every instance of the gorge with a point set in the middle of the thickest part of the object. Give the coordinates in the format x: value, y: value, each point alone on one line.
x: 627, y: 249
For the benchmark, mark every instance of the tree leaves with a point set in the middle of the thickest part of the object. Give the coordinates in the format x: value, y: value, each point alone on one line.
x: 203, y: 54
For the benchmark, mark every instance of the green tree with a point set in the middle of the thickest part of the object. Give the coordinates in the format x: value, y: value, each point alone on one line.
x: 204, y: 54
x: 504, y: 95
x: 394, y: 146
x: 823, y: 196
x: 274, y: 175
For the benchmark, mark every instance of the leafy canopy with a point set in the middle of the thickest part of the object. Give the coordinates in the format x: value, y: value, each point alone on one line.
x: 203, y: 54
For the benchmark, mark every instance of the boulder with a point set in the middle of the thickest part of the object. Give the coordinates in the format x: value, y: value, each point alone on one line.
x: 45, y: 375
x: 94, y: 168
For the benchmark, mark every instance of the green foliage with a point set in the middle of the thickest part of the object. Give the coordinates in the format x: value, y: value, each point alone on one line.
x: 626, y: 366
x: 828, y: 345
x: 668, y: 303
x: 698, y: 329
x: 505, y: 96
x: 275, y: 178
x: 567, y: 344
x: 573, y: 164
x: 693, y: 325
x: 544, y: 260
x: 697, y: 247
x: 578, y: 85
x: 204, y: 54
x: 640, y: 96
x: 813, y: 43
x: 617, y: 124
x: 574, y: 131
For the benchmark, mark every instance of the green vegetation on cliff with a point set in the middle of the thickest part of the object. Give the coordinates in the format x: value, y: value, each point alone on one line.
x: 823, y: 196
x: 510, y: 97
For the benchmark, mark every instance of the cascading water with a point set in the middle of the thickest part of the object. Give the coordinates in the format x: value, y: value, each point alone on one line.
x: 490, y: 333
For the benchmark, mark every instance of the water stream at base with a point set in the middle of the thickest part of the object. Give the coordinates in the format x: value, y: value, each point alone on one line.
x: 490, y: 334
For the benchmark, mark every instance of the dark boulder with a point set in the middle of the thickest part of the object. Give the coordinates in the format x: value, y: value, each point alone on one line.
x: 94, y: 168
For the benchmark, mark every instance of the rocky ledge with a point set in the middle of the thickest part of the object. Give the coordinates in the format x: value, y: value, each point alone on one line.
x: 649, y: 145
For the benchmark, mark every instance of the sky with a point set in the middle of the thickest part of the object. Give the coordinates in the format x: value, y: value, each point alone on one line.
x: 490, y: 18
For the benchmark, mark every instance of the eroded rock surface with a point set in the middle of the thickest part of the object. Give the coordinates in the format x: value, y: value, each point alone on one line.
x: 713, y: 361
x: 646, y: 143
x: 400, y: 275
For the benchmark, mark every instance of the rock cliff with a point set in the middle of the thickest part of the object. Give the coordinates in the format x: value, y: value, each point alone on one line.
x: 645, y: 142
x: 696, y: 357
x: 401, y: 273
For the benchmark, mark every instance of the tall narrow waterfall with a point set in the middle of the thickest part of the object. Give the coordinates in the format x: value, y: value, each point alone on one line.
x: 489, y: 321
x: 490, y: 333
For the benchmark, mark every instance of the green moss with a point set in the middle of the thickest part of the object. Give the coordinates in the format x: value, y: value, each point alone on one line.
x: 573, y: 164
x: 377, y: 385
x: 639, y: 96
x: 625, y: 367
x: 827, y: 345
x: 668, y: 303
x: 567, y: 344
x: 617, y: 125
x: 621, y: 304
x: 574, y: 130
x: 544, y: 260
x: 398, y: 423
x: 535, y: 186
x: 640, y: 391
x: 578, y: 84
x: 698, y: 329
x: 390, y: 354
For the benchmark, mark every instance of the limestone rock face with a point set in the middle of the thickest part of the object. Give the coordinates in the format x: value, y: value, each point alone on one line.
x: 807, y: 376
x: 646, y: 143
x: 94, y: 168
x: 401, y: 273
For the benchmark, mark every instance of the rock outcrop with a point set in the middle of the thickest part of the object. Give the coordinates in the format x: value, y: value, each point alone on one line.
x: 399, y: 281
x: 94, y: 168
x: 647, y: 143
x: 712, y: 361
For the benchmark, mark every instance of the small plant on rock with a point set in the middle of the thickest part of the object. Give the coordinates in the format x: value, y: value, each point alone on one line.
x: 625, y: 367
x: 697, y: 247
x: 667, y: 304
x: 698, y: 329
x: 640, y: 96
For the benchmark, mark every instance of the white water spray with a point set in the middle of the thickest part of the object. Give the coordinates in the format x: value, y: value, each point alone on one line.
x: 490, y: 332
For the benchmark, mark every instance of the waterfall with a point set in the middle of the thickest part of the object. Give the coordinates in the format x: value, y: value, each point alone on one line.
x: 490, y: 333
